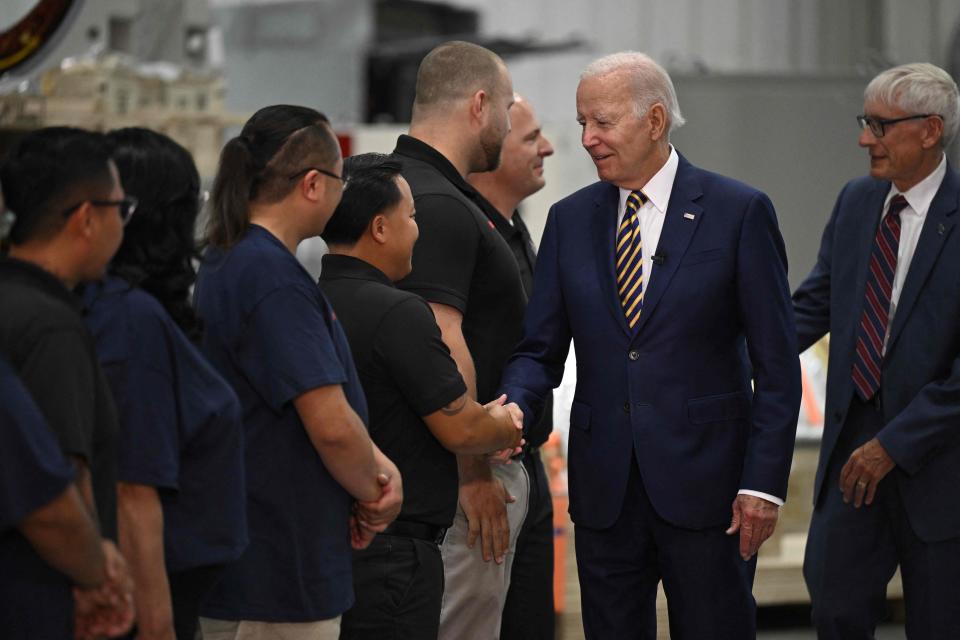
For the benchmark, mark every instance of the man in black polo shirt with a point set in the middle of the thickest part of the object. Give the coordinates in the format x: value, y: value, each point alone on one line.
x: 468, y: 274
x: 70, y: 208
x: 420, y: 413
x: 529, y: 610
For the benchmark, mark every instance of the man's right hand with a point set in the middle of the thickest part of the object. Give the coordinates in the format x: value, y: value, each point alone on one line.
x: 484, y: 500
x: 106, y: 610
x: 504, y: 413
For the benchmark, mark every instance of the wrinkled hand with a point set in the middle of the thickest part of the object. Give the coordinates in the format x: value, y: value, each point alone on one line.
x: 378, y: 514
x: 484, y: 502
x: 499, y: 410
x: 755, y: 519
x: 862, y: 473
x: 106, y: 610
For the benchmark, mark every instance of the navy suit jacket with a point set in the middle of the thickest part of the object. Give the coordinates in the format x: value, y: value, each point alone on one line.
x: 677, y: 391
x: 920, y: 381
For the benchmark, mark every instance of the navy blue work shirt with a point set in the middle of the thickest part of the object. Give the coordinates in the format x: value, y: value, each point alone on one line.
x: 271, y: 333
x: 180, y: 429
x: 35, y: 598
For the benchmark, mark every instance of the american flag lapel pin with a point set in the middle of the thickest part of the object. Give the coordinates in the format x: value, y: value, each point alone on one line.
x: 689, y: 216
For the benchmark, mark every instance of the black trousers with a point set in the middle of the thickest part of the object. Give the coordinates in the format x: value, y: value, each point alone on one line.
x: 528, y: 613
x: 852, y: 554
x: 398, y: 584
x: 707, y: 584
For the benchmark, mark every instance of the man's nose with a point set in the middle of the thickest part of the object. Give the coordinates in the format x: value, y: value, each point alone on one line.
x: 588, y: 138
x: 546, y: 149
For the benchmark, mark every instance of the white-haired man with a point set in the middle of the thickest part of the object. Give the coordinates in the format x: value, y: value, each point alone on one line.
x: 672, y: 283
x: 885, y: 286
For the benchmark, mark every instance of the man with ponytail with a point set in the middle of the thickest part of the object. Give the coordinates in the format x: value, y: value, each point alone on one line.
x: 271, y: 333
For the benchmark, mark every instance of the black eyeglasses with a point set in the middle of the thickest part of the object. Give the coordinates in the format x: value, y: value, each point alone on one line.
x: 877, y: 124
x: 125, y: 207
x: 318, y: 170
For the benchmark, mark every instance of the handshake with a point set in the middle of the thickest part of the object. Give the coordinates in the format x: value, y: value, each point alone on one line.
x: 510, y: 417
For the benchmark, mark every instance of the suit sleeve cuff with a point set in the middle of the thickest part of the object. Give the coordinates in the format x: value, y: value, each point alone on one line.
x: 759, y: 494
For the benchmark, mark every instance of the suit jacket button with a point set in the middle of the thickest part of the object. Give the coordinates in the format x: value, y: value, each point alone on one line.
x: 626, y: 407
x: 634, y: 355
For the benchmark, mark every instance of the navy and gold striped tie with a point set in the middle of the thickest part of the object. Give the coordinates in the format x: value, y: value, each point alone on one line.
x: 629, y: 256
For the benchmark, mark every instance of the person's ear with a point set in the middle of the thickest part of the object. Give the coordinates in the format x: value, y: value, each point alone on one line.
x: 312, y: 186
x: 378, y: 229
x: 658, y: 121
x: 479, y: 106
x: 82, y: 222
x: 932, y: 132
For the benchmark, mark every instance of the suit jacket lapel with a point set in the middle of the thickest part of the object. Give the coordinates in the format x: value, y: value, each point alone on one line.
x: 605, y: 210
x: 936, y: 229
x: 675, y: 236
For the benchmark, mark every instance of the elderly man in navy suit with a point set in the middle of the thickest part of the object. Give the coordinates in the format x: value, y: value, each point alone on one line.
x: 886, y: 286
x: 672, y: 283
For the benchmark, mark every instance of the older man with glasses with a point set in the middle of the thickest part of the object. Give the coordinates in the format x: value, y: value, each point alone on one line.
x: 886, y: 287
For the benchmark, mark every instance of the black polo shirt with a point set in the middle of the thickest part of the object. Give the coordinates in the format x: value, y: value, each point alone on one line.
x: 406, y: 372
x: 43, y: 336
x: 518, y: 239
x: 460, y: 260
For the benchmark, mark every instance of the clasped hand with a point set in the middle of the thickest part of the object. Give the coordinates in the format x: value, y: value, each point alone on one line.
x: 496, y: 408
x: 371, y: 518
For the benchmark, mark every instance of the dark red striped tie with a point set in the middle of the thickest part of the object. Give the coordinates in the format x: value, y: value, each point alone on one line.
x: 868, y: 360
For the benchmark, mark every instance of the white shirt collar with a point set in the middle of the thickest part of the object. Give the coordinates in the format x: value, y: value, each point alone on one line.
x: 658, y: 188
x: 920, y: 195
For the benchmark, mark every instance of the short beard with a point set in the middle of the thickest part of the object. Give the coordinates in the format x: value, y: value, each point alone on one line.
x: 490, y: 146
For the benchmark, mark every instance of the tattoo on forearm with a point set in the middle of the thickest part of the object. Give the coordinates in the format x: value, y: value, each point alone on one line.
x: 455, y: 407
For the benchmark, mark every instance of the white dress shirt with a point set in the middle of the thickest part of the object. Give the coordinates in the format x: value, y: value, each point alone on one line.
x: 653, y: 212
x: 918, y: 197
x: 652, y: 215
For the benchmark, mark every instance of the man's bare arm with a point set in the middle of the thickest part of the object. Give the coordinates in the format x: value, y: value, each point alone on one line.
x: 341, y: 440
x: 466, y: 427
x: 482, y: 497
x: 140, y: 519
x: 65, y: 535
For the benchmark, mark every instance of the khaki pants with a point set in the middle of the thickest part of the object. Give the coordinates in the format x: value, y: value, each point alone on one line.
x: 474, y: 590
x: 254, y: 630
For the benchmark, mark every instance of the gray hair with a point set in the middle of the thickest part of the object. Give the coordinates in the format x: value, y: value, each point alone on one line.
x: 919, y: 88
x: 651, y: 82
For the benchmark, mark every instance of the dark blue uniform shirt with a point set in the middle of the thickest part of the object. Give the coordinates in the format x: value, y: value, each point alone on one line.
x: 180, y: 425
x: 35, y: 599
x: 273, y: 336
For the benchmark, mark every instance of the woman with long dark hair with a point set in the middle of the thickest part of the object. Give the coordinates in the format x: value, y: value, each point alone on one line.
x: 274, y: 337
x: 180, y: 491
